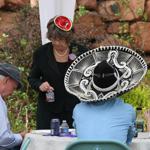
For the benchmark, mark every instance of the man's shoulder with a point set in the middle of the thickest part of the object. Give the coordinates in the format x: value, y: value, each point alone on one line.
x: 120, y: 103
x: 80, y: 105
x: 2, y: 105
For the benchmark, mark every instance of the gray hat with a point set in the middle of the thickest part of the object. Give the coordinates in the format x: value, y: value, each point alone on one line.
x: 11, y: 71
x: 104, y: 73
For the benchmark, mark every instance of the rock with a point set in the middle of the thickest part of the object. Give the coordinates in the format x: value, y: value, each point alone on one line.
x: 15, y: 4
x: 140, y: 31
x: 8, y: 21
x: 107, y: 40
x: 109, y: 10
x: 118, y: 27
x: 147, y: 9
x: 89, y: 26
x: 121, y: 10
x: 147, y: 59
x: 2, y: 3
x: 89, y: 4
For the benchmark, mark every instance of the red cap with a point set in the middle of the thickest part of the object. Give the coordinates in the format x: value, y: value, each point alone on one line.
x: 63, y: 23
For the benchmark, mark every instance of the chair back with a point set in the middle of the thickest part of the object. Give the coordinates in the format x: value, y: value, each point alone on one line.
x: 97, y: 145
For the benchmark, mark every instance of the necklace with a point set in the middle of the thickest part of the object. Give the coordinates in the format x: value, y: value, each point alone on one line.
x: 61, y: 55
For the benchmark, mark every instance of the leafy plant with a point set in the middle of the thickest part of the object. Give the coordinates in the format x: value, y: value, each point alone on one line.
x: 139, y: 11
x: 140, y: 96
x: 126, y: 38
x: 125, y: 2
x: 21, y: 111
x: 3, y: 38
x: 80, y: 12
x: 145, y: 17
x: 123, y: 28
x: 17, y: 47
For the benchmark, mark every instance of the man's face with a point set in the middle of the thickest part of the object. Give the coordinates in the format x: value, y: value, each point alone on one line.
x: 9, y: 86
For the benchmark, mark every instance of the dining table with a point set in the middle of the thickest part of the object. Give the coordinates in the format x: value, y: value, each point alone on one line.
x: 42, y: 140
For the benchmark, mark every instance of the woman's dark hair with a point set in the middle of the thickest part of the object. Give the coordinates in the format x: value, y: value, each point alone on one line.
x: 55, y: 33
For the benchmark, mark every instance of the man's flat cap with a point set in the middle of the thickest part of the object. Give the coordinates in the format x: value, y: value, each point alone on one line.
x: 11, y: 71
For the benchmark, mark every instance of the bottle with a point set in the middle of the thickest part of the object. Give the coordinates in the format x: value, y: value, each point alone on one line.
x: 55, y: 124
x: 64, y: 128
x: 139, y: 120
x: 50, y: 97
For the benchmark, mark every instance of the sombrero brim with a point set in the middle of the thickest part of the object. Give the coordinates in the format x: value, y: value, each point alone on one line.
x: 127, y: 61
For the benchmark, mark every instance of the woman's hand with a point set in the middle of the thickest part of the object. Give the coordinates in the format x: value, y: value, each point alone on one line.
x: 45, y: 87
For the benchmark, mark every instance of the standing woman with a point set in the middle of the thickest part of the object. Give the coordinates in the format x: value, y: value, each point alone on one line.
x: 50, y: 63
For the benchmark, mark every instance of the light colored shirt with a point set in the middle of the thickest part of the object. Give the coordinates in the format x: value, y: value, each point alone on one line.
x: 7, y: 138
x: 109, y: 120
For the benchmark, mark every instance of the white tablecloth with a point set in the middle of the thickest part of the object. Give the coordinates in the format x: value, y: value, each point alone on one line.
x: 140, y: 144
x: 40, y: 142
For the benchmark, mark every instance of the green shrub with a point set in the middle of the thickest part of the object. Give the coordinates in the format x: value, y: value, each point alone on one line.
x: 140, y: 96
x: 80, y: 12
x: 21, y: 111
x: 17, y: 47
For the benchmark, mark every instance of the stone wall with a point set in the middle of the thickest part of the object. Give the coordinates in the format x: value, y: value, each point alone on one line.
x: 13, y: 4
x: 108, y: 22
x: 128, y: 20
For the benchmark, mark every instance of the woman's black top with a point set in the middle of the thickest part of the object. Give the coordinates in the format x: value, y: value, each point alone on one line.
x: 45, y: 68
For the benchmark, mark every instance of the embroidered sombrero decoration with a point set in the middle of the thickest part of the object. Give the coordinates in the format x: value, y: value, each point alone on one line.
x: 63, y: 23
x: 104, y: 73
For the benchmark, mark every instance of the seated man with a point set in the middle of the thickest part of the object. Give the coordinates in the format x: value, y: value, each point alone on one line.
x: 9, y: 81
x: 97, y: 77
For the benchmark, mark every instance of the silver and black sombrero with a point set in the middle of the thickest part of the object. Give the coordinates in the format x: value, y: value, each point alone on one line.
x: 104, y: 73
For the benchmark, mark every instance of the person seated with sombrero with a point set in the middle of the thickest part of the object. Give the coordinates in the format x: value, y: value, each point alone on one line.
x: 97, y: 78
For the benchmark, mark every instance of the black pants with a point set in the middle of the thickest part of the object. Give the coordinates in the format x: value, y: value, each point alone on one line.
x: 43, y: 119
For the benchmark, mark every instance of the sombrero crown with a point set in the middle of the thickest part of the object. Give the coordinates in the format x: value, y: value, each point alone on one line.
x: 63, y: 23
x: 104, y: 73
